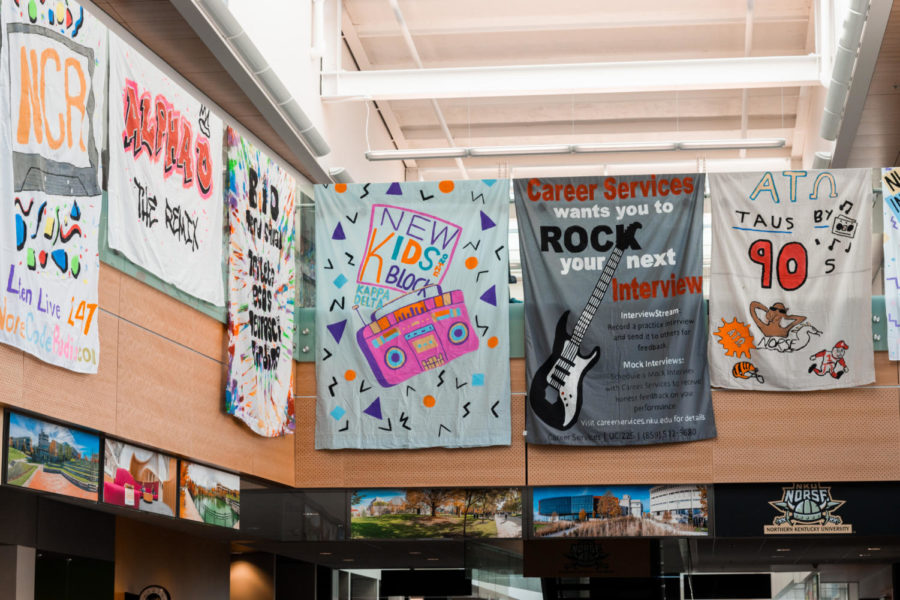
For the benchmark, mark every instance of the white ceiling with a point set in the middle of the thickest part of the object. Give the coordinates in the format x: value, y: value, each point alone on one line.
x: 483, y: 33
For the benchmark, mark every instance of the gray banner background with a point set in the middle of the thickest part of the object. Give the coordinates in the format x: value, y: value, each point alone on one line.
x: 651, y: 382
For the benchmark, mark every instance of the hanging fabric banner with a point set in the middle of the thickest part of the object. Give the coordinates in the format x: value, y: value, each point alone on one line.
x: 52, y: 82
x: 412, y: 330
x: 261, y: 300
x: 890, y: 190
x: 614, y: 314
x: 165, y: 176
x: 789, y: 306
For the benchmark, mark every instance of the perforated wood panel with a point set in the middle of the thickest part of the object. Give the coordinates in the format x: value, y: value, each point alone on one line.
x: 492, y: 466
x: 161, y: 383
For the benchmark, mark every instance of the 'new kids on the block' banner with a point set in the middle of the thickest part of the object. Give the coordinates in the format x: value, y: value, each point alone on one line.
x: 890, y: 190
x: 261, y: 300
x: 412, y: 330
x: 165, y: 176
x: 614, y: 314
x: 52, y: 78
x: 789, y: 305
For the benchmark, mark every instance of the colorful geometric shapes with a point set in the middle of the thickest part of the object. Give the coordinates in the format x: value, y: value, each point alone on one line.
x: 48, y: 227
x: 61, y: 259
x: 29, y: 260
x: 340, y: 188
x: 75, y: 266
x: 493, y: 341
x: 337, y: 330
x: 75, y: 213
x: 489, y: 182
x: 490, y: 296
x: 349, y: 374
x: 338, y: 233
x: 471, y: 262
x: 20, y: 232
x: 486, y: 222
x: 394, y: 190
x: 477, y: 378
x: 340, y: 280
x: 446, y: 186
x: 337, y: 413
x: 42, y: 258
x: 429, y: 401
x: 374, y: 409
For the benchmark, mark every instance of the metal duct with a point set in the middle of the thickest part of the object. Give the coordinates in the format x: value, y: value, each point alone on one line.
x: 842, y: 72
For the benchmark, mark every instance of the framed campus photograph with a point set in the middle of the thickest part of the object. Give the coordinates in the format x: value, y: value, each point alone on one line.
x: 209, y: 495
x: 138, y: 478
x: 620, y: 511
x: 436, y: 513
x: 46, y: 456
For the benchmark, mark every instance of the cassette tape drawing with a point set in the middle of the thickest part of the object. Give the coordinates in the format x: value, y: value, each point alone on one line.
x: 422, y: 332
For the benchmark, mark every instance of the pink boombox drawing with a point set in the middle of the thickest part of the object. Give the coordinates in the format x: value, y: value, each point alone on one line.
x: 418, y: 335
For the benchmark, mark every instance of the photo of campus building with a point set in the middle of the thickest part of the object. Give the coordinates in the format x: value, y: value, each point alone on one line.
x: 52, y: 458
x: 210, y: 496
x: 663, y: 510
x: 436, y: 513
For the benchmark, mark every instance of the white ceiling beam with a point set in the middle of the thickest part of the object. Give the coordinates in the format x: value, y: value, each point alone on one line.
x: 587, y: 78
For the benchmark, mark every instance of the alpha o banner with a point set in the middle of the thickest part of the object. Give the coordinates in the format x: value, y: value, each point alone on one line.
x: 261, y: 300
x: 789, y: 306
x: 165, y: 176
x: 52, y: 78
x: 890, y: 190
x: 614, y: 314
x: 412, y: 330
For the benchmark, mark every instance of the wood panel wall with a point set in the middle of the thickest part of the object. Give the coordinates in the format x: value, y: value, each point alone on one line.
x: 846, y: 435
x: 160, y: 383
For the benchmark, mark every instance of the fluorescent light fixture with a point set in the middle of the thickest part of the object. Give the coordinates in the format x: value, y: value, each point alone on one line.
x: 417, y: 153
x: 625, y: 147
x: 735, y: 144
x: 520, y: 150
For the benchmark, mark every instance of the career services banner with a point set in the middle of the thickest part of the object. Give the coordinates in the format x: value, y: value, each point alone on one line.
x: 261, y: 299
x: 789, y: 305
x: 890, y: 190
x: 165, y: 176
x: 614, y: 315
x: 412, y: 328
x: 52, y: 78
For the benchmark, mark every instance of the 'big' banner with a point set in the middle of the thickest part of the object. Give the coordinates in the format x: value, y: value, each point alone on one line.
x: 789, y: 305
x: 412, y: 330
x: 52, y: 78
x: 890, y: 189
x: 261, y: 299
x: 165, y: 176
x: 614, y: 314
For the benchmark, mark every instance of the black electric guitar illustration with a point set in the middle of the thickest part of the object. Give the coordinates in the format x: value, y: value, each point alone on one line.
x: 555, y: 393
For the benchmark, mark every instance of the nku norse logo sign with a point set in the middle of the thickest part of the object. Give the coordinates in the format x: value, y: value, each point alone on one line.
x: 807, y: 508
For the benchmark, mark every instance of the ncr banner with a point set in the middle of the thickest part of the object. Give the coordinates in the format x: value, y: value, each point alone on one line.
x: 260, y: 388
x: 890, y: 190
x: 52, y: 88
x: 614, y: 313
x: 789, y: 305
x: 166, y: 202
x: 412, y: 322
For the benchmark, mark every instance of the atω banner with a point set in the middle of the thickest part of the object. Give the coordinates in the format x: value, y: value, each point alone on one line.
x: 261, y: 299
x: 412, y: 329
x: 52, y: 88
x: 890, y: 190
x: 789, y: 305
x: 166, y: 201
x: 614, y: 314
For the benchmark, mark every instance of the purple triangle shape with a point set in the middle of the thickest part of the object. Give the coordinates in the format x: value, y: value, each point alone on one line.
x: 374, y: 409
x: 394, y: 190
x: 337, y: 330
x: 486, y: 222
x: 490, y: 296
x: 338, y: 233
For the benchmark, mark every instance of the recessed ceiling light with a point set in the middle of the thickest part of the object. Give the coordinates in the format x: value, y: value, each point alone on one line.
x: 863, y: 555
x: 415, y: 552
x: 873, y: 549
x: 325, y: 553
x: 783, y: 550
x: 348, y: 560
x: 434, y: 559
